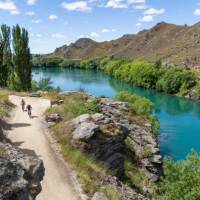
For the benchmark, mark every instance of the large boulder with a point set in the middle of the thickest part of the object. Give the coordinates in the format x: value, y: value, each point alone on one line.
x: 103, y: 141
x: 20, y: 174
x: 85, y: 131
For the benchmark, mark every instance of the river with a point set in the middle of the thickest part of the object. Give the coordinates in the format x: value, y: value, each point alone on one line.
x: 179, y: 118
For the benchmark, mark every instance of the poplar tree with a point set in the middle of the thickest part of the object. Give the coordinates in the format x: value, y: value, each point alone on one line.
x: 5, y: 55
x: 22, y: 57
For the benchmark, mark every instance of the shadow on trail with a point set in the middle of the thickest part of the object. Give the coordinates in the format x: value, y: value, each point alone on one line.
x: 9, y: 126
x: 19, y: 125
x: 34, y: 117
x: 18, y: 144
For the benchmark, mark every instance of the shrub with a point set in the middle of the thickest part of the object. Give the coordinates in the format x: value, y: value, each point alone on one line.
x: 197, y: 88
x: 139, y: 104
x: 181, y: 179
x: 70, y: 63
x: 174, y: 79
x: 90, y: 64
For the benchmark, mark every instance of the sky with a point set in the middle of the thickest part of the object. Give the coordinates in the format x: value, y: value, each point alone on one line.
x: 53, y: 23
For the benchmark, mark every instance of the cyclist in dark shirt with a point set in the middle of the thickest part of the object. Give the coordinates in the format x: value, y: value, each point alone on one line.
x: 29, y: 108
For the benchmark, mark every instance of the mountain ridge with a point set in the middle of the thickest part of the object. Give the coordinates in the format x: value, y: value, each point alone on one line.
x: 170, y: 43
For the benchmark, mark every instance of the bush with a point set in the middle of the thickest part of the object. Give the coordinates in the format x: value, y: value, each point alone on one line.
x: 197, y: 88
x: 90, y: 64
x: 70, y: 63
x: 181, y: 179
x: 139, y: 104
x: 174, y: 78
x: 14, y: 82
x: 46, y: 61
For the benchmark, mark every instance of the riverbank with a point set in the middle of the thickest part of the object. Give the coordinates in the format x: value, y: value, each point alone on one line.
x: 172, y: 80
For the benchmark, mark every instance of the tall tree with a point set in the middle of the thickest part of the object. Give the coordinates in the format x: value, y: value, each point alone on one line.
x: 5, y: 55
x: 22, y: 57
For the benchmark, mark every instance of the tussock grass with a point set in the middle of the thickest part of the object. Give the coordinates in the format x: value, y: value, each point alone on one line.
x: 5, y: 105
x: 74, y: 105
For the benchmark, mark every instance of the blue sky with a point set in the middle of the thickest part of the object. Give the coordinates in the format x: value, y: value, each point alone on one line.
x: 52, y: 23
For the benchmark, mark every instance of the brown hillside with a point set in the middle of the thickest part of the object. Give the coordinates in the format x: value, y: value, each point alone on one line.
x: 173, y: 44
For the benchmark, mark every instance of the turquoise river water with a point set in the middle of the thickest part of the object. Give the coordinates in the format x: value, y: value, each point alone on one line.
x: 179, y: 118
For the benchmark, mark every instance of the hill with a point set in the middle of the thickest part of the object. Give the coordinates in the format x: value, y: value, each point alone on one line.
x: 173, y: 44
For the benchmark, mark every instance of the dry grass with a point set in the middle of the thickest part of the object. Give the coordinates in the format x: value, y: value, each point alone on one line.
x: 5, y: 105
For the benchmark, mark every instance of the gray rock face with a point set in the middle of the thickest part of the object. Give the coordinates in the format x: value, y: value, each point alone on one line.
x: 145, y: 148
x: 85, y: 131
x: 103, y: 141
x: 20, y: 174
x: 53, y: 118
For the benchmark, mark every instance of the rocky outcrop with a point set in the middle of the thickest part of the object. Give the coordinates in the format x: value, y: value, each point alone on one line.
x: 103, y: 135
x: 144, y: 147
x: 20, y: 173
x: 101, y: 138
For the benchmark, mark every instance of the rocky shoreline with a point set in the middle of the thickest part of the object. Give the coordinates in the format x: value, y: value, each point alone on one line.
x: 103, y: 136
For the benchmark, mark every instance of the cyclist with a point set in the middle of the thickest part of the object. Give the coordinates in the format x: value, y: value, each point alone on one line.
x: 23, y: 103
x: 29, y: 108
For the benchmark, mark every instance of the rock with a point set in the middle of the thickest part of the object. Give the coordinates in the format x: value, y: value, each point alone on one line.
x: 20, y: 174
x: 80, y: 119
x: 85, y: 131
x: 53, y: 118
x: 98, y: 117
x: 36, y: 94
x: 56, y: 102
x: 104, y: 142
x: 192, y: 95
x: 99, y: 196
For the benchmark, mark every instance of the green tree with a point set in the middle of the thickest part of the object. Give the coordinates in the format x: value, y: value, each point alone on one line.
x: 5, y: 55
x: 22, y: 57
x: 181, y: 179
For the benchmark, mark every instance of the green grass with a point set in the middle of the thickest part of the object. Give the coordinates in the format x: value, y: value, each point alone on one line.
x: 111, y: 193
x: 75, y: 105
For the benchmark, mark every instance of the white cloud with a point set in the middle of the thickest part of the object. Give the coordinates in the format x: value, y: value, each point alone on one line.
x: 153, y: 11
x: 138, y: 24
x: 116, y: 4
x: 141, y: 7
x: 57, y: 36
x: 53, y: 17
x: 105, y: 30
x: 37, y: 35
x: 31, y: 2
x: 197, y: 12
x: 94, y: 35
x: 14, y: 12
x: 136, y: 1
x: 81, y: 6
x: 9, y: 6
x: 36, y: 21
x: 147, y: 18
x: 30, y: 13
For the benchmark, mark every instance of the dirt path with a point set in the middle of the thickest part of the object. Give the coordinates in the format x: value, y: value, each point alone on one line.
x: 29, y: 134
